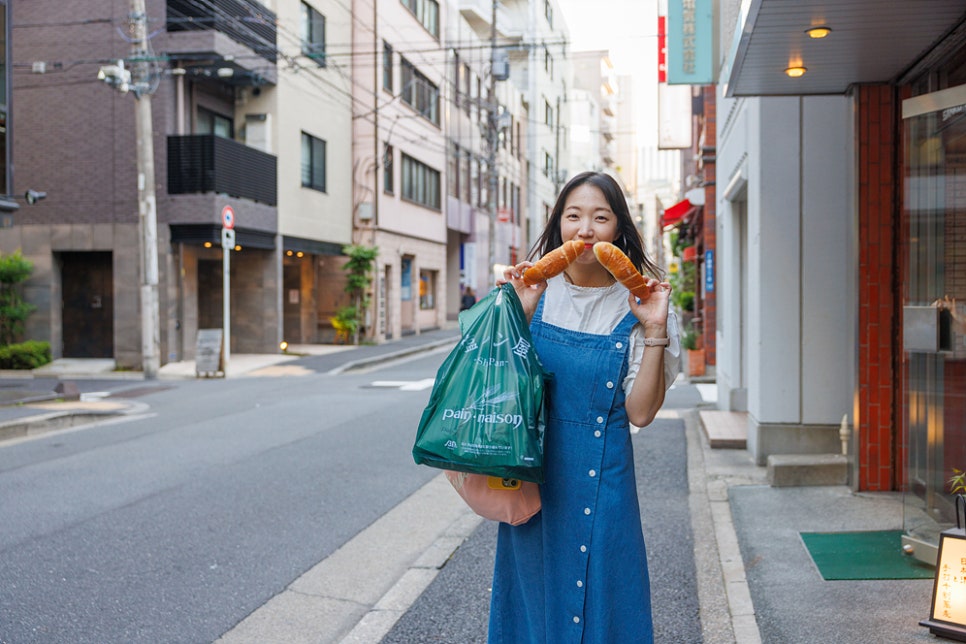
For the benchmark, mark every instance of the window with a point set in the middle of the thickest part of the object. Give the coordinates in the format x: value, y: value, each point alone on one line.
x: 548, y: 12
x: 453, y: 173
x: 427, y: 289
x: 548, y: 62
x: 466, y: 88
x: 466, y: 181
x: 313, y: 34
x: 386, y: 66
x: 313, y: 162
x: 547, y: 113
x: 484, y: 185
x: 209, y: 122
x: 418, y: 92
x: 420, y: 183
x: 548, y: 164
x: 388, y: 184
x: 474, y: 182
x: 426, y: 12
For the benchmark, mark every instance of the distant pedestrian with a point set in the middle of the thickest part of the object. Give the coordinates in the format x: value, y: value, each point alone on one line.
x: 468, y: 299
x: 577, y: 571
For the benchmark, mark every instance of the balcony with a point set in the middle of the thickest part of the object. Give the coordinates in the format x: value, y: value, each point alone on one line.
x: 205, y: 163
x: 227, y: 32
x: 479, y: 14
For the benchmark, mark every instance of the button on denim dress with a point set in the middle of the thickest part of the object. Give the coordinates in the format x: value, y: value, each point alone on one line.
x: 577, y: 571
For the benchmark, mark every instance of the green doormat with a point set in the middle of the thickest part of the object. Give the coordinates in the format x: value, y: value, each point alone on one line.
x: 864, y: 555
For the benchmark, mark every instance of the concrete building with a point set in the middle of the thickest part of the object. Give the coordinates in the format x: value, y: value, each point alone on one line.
x: 251, y: 110
x: 399, y: 76
x: 594, y: 73
x: 482, y: 221
x: 838, y: 211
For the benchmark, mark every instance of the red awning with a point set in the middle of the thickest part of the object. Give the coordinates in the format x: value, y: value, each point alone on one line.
x: 676, y: 213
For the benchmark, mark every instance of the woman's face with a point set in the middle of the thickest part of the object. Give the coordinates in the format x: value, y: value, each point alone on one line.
x: 588, y: 217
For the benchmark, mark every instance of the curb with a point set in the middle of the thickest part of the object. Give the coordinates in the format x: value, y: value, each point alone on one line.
x: 44, y: 423
x: 395, y: 355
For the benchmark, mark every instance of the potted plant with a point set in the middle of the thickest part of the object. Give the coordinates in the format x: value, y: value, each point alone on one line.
x: 696, y: 359
x: 957, y: 484
x: 346, y: 323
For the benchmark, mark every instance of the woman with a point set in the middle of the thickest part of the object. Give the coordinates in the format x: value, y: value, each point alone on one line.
x: 577, y: 571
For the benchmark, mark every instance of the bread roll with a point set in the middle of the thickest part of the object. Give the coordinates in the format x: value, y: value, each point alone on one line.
x: 622, y: 268
x: 554, y: 262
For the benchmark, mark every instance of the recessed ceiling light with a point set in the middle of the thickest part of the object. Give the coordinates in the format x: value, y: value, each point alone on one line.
x: 796, y: 72
x: 818, y: 32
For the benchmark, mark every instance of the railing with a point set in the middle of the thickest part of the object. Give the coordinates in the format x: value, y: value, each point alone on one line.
x: 207, y: 163
x: 246, y: 22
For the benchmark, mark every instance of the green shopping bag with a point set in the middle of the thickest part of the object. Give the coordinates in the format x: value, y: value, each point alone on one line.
x: 486, y: 413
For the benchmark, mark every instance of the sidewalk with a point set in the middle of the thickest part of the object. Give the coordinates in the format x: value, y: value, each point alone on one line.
x: 775, y: 592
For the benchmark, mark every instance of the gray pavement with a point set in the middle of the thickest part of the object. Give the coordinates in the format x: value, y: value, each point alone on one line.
x: 752, y: 579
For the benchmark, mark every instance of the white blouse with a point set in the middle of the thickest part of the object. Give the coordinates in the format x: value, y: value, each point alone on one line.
x: 598, y: 310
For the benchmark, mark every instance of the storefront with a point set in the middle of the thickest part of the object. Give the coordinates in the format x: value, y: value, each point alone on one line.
x: 934, y: 299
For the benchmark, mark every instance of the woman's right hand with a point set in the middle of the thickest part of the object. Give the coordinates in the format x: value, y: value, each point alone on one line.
x: 529, y: 295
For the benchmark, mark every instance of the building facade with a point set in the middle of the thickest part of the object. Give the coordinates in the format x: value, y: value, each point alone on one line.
x: 838, y: 211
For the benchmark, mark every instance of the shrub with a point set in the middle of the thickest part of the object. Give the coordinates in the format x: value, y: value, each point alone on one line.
x: 25, y: 355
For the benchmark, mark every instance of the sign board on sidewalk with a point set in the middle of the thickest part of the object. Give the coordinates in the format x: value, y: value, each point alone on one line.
x: 208, y: 353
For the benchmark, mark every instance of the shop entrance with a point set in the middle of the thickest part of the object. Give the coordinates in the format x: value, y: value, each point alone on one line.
x: 87, y: 286
x: 934, y: 307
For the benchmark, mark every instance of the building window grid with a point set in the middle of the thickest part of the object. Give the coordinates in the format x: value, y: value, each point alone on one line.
x: 419, y: 92
x: 313, y: 34
x: 420, y: 183
x: 453, y: 172
x: 386, y: 66
x: 426, y: 12
x: 313, y: 162
x: 388, y: 179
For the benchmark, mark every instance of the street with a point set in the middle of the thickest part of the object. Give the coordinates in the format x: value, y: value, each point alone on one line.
x: 174, y: 526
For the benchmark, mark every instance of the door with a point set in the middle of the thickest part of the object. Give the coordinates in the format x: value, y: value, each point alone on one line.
x: 87, y: 286
x: 934, y: 307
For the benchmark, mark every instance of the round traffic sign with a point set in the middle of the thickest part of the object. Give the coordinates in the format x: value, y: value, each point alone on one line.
x: 228, y: 217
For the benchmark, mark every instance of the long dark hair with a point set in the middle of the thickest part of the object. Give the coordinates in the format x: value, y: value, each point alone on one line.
x: 628, y: 237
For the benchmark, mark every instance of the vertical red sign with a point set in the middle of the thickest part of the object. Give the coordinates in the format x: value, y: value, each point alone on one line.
x: 661, y: 49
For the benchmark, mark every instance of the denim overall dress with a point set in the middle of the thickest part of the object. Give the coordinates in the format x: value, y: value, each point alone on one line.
x: 577, y: 571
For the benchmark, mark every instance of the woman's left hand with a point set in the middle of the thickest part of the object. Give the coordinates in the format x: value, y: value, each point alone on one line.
x: 652, y: 312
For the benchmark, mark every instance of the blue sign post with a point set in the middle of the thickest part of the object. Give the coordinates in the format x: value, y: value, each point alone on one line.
x: 709, y: 271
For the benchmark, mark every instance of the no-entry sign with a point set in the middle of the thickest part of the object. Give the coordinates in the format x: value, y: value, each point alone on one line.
x: 228, y: 217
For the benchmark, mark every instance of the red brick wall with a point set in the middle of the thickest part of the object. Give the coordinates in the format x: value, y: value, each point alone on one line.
x: 710, y: 201
x: 876, y: 419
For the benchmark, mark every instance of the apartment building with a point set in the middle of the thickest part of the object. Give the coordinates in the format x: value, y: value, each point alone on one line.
x: 399, y: 157
x: 249, y: 112
x: 486, y: 127
x: 594, y: 73
x: 535, y: 37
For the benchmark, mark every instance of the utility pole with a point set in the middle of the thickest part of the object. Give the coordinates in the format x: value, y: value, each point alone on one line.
x: 492, y: 105
x: 147, y: 199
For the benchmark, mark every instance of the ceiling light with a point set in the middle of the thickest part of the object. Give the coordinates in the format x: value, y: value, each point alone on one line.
x: 796, y: 72
x: 818, y: 32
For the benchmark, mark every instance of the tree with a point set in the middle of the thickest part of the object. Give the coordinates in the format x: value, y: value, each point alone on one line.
x: 358, y: 280
x: 14, y: 269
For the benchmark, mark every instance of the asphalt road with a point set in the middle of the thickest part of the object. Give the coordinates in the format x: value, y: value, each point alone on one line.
x: 173, y: 526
